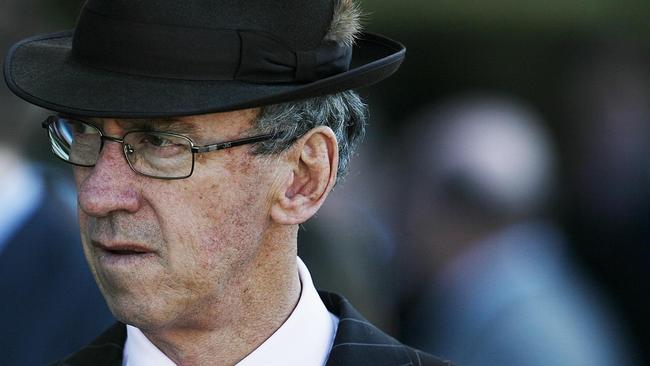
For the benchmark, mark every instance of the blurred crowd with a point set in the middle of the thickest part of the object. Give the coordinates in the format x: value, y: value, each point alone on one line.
x: 478, y: 222
x: 477, y: 262
x: 505, y: 237
x: 49, y: 303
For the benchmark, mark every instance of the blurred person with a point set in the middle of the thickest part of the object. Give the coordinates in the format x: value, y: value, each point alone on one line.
x: 495, y: 282
x: 50, y: 305
x: 192, y: 180
x: 606, y: 101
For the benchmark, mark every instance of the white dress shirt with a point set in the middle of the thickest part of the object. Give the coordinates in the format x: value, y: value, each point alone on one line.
x: 305, y: 338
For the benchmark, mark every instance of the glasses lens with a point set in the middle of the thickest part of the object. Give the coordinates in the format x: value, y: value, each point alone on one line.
x: 159, y: 154
x: 74, y: 141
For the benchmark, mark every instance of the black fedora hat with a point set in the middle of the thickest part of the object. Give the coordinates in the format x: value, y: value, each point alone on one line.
x: 152, y: 58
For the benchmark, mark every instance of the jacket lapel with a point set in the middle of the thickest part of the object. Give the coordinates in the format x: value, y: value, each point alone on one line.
x: 358, y: 342
x: 106, y: 350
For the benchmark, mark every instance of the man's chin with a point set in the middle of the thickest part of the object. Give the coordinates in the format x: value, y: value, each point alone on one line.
x: 128, y: 296
x: 136, y: 311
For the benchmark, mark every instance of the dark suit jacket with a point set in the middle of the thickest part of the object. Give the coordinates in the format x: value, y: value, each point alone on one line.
x: 49, y: 302
x: 357, y: 343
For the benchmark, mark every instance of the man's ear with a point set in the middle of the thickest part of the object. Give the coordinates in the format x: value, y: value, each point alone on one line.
x: 314, y: 160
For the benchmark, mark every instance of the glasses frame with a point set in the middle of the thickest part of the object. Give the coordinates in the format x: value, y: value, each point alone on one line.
x: 195, y: 149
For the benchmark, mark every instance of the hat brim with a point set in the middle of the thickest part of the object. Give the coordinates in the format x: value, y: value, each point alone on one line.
x: 41, y: 71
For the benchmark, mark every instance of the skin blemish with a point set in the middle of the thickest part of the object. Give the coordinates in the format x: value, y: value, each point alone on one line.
x: 240, y: 164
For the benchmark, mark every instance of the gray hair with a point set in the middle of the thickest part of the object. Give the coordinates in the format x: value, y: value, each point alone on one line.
x: 345, y: 113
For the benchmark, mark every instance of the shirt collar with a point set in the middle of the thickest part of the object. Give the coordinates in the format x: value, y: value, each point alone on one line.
x: 304, y: 339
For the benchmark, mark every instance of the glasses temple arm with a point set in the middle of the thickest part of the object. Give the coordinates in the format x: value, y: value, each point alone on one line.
x: 228, y: 144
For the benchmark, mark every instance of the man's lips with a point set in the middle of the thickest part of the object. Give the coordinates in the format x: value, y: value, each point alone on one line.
x: 117, y: 248
x: 122, y: 256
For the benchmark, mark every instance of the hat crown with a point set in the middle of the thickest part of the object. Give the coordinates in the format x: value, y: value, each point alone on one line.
x: 161, y: 58
x: 300, y: 24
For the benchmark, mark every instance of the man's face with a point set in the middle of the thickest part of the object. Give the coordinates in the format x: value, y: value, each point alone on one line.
x: 163, y: 251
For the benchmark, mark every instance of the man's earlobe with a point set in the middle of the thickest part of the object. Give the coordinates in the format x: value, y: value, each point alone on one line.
x: 314, y: 165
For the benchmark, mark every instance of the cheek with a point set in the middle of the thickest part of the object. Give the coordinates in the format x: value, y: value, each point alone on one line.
x: 229, y: 227
x: 216, y: 219
x: 199, y: 221
x: 231, y: 223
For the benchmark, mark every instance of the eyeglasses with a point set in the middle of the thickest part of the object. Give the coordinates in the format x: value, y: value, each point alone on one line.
x: 154, y: 154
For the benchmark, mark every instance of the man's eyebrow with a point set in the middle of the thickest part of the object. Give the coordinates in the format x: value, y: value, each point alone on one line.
x: 159, y: 124
x: 155, y: 124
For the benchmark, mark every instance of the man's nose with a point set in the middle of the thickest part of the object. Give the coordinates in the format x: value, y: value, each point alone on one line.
x: 110, y: 185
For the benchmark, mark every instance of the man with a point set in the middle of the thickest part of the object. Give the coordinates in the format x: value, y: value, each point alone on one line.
x: 192, y: 179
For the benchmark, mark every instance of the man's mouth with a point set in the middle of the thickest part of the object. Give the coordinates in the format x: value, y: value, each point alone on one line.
x: 122, y: 253
x: 125, y: 251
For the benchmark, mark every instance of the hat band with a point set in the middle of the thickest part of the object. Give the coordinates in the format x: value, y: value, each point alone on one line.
x: 177, y: 52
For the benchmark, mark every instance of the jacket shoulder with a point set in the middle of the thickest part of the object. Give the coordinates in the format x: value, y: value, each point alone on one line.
x: 358, y: 342
x: 105, y: 350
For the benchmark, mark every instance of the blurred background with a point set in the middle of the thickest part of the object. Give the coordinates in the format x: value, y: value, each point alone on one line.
x: 498, y: 212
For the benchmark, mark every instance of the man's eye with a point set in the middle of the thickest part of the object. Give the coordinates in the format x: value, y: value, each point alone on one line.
x: 153, y: 145
x: 80, y: 129
x: 156, y: 141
